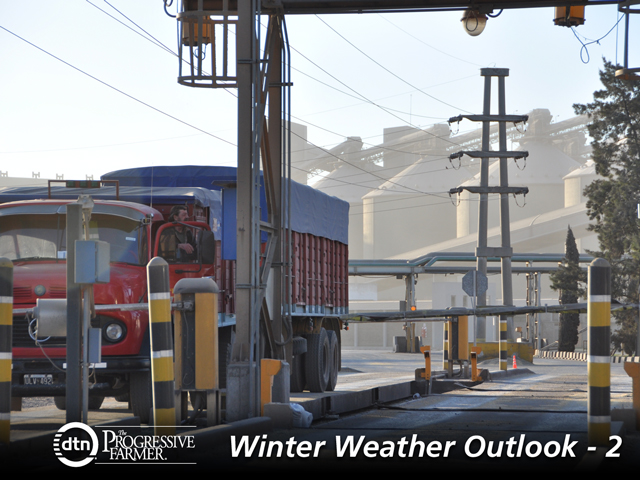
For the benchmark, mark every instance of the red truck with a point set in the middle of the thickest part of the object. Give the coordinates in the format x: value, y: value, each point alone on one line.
x: 131, y: 217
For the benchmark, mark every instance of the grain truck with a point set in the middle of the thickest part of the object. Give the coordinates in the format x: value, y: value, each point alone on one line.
x: 131, y: 213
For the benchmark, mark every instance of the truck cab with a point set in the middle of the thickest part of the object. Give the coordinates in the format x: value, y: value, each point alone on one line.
x: 33, y: 237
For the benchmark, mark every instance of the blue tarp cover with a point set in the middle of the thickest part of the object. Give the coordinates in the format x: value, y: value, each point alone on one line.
x: 142, y: 195
x: 312, y: 211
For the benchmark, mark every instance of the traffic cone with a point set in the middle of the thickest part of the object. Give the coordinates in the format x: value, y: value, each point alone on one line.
x: 514, y: 362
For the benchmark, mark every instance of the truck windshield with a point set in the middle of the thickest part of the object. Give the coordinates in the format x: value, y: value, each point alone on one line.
x: 34, y: 237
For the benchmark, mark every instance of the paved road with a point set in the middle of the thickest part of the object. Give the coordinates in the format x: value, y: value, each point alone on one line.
x: 533, y: 419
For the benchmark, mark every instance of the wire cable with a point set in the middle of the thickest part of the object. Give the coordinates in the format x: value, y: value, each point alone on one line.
x: 389, y: 71
x: 116, y: 89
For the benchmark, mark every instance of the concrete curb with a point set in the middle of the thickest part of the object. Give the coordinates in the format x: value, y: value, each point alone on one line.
x: 581, y: 356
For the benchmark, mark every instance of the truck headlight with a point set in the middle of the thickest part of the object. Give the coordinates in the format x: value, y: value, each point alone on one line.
x: 113, y: 332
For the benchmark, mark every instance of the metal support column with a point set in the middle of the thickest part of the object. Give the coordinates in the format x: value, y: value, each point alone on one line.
x: 260, y: 285
x: 243, y: 369
x: 410, y: 305
x: 73, y: 397
x: 483, y: 210
x: 504, y: 252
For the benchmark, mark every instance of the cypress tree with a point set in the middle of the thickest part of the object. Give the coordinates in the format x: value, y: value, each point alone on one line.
x: 568, y: 280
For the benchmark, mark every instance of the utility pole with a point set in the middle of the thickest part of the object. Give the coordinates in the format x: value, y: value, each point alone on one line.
x: 483, y: 251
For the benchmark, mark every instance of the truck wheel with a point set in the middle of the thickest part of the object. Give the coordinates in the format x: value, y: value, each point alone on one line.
x: 61, y: 402
x: 317, y: 361
x: 94, y: 403
x: 334, y: 360
x: 297, y: 381
x: 141, y: 395
x: 123, y: 398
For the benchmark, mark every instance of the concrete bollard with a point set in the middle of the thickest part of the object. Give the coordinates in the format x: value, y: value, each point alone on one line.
x: 162, y: 371
x: 598, y: 361
x: 6, y: 325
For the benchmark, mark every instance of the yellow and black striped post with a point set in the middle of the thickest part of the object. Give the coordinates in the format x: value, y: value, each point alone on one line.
x: 445, y: 347
x: 162, y: 370
x: 475, y: 351
x: 503, y: 342
x: 426, y: 351
x: 459, y: 339
x: 598, y: 361
x: 6, y: 324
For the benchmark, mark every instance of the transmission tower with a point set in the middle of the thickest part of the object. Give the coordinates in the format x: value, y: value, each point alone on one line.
x: 483, y: 251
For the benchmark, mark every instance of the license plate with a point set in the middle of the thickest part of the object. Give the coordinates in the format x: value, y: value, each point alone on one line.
x: 38, y: 379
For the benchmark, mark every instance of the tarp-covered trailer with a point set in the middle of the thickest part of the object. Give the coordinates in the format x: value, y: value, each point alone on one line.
x: 319, y: 287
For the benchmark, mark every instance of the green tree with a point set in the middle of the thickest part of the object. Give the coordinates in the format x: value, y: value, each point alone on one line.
x: 569, y: 280
x: 613, y: 200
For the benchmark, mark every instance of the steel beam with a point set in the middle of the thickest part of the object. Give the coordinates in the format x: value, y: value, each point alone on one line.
x: 388, y: 6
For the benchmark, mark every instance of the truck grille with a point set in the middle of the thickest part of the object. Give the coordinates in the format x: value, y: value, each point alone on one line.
x: 24, y: 294
x: 21, y: 337
x: 21, y: 293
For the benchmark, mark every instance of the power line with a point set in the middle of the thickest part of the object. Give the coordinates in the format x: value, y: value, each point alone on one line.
x: 366, y: 171
x: 381, y: 147
x: 148, y: 37
x: 365, y: 98
x: 384, y: 17
x: 386, y: 69
x: 360, y: 98
x: 116, y: 89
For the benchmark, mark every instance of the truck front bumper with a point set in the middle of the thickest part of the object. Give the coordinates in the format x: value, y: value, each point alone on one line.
x: 47, y: 378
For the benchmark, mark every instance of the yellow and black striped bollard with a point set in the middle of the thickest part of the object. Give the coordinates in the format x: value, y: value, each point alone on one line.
x: 162, y: 369
x: 598, y: 364
x: 503, y: 342
x: 445, y: 352
x: 6, y: 324
x: 426, y: 351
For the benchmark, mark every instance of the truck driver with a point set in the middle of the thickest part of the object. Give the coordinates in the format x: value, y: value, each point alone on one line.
x: 176, y: 242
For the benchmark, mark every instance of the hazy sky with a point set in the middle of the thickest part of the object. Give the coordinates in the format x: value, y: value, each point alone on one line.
x: 88, y: 87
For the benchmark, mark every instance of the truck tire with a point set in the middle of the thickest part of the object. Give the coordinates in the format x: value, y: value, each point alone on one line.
x: 317, y: 361
x: 141, y: 395
x: 334, y: 360
x: 94, y: 402
x: 298, y: 380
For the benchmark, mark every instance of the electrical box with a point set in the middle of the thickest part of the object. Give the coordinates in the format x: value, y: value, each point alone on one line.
x: 92, y: 262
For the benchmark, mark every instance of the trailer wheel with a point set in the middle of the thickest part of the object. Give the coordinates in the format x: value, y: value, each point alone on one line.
x: 141, y: 395
x: 317, y: 361
x: 334, y: 360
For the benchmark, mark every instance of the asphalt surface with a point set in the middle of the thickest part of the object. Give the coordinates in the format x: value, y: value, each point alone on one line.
x: 529, y: 419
